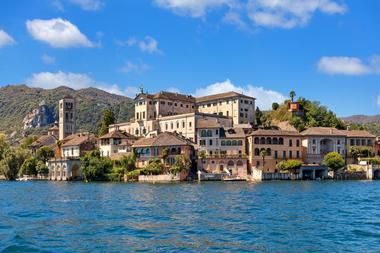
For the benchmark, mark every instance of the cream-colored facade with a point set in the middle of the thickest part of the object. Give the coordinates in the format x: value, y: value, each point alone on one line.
x: 239, y: 107
x: 279, y: 146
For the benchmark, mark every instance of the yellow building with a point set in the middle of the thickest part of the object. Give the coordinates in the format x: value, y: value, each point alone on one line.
x: 279, y: 146
x: 241, y: 108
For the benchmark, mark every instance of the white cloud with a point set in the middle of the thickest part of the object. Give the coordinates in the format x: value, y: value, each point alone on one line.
x: 193, y: 8
x: 5, y: 39
x: 57, y: 33
x: 57, y: 4
x: 89, y: 5
x: 147, y: 45
x: 47, y: 59
x: 50, y: 80
x: 267, y: 13
x: 136, y: 67
x: 289, y: 13
x: 342, y: 65
x: 264, y: 97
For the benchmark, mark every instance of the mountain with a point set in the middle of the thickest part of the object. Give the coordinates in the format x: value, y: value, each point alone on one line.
x: 35, y: 108
x: 362, y: 119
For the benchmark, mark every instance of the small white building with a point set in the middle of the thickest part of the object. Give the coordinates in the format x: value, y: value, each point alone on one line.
x: 116, y: 143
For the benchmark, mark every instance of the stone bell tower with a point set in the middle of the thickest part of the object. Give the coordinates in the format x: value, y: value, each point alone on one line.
x: 66, y: 117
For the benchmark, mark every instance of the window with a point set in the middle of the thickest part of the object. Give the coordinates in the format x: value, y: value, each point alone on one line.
x: 162, y: 102
x: 363, y: 142
x: 234, y: 143
x: 314, y: 141
x: 290, y: 154
x: 275, y: 154
x: 281, y: 141
x: 202, y: 142
x: 284, y: 154
x: 166, y: 126
x: 269, y: 152
x: 240, y: 143
x: 338, y: 142
x: 228, y: 143
x: 352, y: 142
x: 177, y: 124
x: 210, y: 142
x: 216, y: 131
x: 203, y: 133
x: 262, y: 140
x: 223, y: 143
x: 183, y: 124
x: 269, y: 140
x: 190, y: 124
x: 257, y: 152
x: 228, y: 113
x: 209, y: 133
x: 290, y: 143
x: 298, y: 154
x: 171, y: 125
x: 257, y: 140
x: 298, y: 143
x: 275, y: 141
x: 181, y: 105
x: 208, y: 105
x: 143, y: 115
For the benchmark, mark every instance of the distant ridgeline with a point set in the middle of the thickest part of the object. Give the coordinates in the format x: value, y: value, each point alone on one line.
x: 25, y: 110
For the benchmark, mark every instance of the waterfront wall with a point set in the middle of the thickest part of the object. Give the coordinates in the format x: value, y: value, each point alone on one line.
x: 158, y: 178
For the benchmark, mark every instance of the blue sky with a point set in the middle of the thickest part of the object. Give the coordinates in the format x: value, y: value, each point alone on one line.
x: 325, y: 50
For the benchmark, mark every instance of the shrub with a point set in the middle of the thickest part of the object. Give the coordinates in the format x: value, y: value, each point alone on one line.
x: 333, y: 161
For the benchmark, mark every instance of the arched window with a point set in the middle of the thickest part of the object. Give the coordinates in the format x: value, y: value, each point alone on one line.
x: 209, y: 133
x: 269, y: 152
x: 203, y: 133
x: 281, y: 141
x: 234, y: 143
x: 144, y: 131
x: 275, y: 141
x: 257, y: 140
x: 223, y: 143
x: 257, y: 152
x: 228, y: 143
x: 262, y: 140
x: 147, y: 151
x: 137, y: 132
x: 239, y: 163
x: 269, y: 140
x: 230, y: 164
x: 240, y: 143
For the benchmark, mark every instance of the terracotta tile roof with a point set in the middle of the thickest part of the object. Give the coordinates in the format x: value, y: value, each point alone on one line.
x: 272, y: 132
x: 117, y: 135
x: 207, y: 123
x: 358, y: 134
x: 163, y: 139
x: 323, y: 131
x: 169, y: 96
x: 44, y: 140
x: 231, y: 94
x: 78, y: 140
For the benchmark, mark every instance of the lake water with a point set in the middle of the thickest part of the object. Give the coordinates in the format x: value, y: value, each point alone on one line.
x: 190, y: 217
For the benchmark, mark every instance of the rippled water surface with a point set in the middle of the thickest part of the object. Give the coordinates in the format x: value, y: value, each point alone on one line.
x: 219, y: 217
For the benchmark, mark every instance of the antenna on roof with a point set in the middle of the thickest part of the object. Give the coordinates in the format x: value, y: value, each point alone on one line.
x: 141, y: 89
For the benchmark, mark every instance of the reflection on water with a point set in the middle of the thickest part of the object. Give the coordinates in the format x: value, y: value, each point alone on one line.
x: 264, y: 217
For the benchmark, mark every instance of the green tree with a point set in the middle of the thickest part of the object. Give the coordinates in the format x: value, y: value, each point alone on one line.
x: 202, y: 154
x: 107, y: 119
x: 4, y: 146
x: 291, y: 166
x: 258, y: 116
x: 95, y: 167
x: 333, y: 161
x: 263, y: 154
x: 11, y: 163
x: 128, y: 162
x: 44, y: 154
x: 292, y: 95
x: 164, y: 154
x: 275, y: 106
x: 26, y: 142
x: 154, y: 167
x: 29, y: 167
x: 42, y: 169
x: 182, y: 163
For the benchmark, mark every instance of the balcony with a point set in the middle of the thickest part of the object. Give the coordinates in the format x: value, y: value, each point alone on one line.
x: 227, y: 156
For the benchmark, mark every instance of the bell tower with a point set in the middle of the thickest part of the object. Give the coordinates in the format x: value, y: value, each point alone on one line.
x: 66, y: 117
